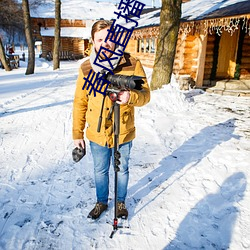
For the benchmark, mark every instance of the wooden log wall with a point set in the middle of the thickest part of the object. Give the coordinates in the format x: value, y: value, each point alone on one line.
x: 186, y: 55
x: 50, y: 22
x: 179, y: 60
x: 47, y: 45
x: 132, y: 46
x: 79, y: 46
x: 191, y: 55
x: 73, y: 45
x: 66, y: 44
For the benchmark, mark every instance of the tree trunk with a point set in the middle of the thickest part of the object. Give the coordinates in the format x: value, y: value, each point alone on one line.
x: 56, y: 59
x: 3, y: 57
x: 169, y: 27
x: 28, y: 33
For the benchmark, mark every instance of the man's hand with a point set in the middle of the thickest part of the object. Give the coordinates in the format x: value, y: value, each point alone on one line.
x: 123, y: 97
x: 79, y: 143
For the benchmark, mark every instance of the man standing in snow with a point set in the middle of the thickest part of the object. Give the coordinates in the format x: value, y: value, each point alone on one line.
x: 86, y: 109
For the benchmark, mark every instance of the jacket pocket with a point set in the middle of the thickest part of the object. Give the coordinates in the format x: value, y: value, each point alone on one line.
x: 127, y: 120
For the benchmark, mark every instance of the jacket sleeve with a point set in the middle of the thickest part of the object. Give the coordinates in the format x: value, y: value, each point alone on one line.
x: 80, y: 106
x: 139, y: 98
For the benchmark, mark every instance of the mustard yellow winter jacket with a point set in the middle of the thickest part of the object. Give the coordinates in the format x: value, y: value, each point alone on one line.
x: 86, y: 108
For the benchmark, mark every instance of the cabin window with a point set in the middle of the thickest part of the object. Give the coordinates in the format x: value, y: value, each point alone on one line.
x: 146, y: 45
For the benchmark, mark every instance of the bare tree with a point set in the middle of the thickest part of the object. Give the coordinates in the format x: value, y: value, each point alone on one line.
x: 36, y: 3
x: 28, y: 33
x: 11, y: 16
x: 169, y: 27
x: 3, y: 57
x: 56, y: 59
x: 11, y: 24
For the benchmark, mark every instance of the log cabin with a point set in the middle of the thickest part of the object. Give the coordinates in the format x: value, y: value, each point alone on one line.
x: 213, y: 41
x: 74, y: 37
x: 76, y: 22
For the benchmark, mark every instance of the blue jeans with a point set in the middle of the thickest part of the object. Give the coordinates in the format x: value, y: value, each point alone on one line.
x: 102, y: 158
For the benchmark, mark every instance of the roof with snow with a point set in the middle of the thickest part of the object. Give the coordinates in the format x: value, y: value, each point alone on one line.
x: 80, y: 32
x: 76, y: 9
x: 208, y: 9
x: 196, y: 10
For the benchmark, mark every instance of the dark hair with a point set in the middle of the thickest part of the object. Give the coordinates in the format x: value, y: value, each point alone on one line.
x: 99, y: 25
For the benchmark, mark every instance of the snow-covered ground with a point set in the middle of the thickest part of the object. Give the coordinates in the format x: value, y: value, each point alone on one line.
x: 189, y: 169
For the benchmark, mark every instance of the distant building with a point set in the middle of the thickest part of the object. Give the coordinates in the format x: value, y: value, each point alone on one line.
x: 77, y: 19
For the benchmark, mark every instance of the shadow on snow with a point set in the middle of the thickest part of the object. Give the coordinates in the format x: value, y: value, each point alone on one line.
x: 23, y: 110
x: 190, y: 153
x: 210, y: 223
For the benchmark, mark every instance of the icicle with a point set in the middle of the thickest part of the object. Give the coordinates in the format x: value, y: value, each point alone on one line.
x: 216, y: 25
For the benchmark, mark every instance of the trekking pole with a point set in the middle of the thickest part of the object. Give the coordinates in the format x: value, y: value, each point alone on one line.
x: 117, y: 156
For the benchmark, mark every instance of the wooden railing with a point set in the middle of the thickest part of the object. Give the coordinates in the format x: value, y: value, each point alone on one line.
x: 64, y: 55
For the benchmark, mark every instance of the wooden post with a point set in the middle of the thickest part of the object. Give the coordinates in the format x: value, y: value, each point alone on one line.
x: 149, y: 45
x: 201, y: 60
x: 144, y: 45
